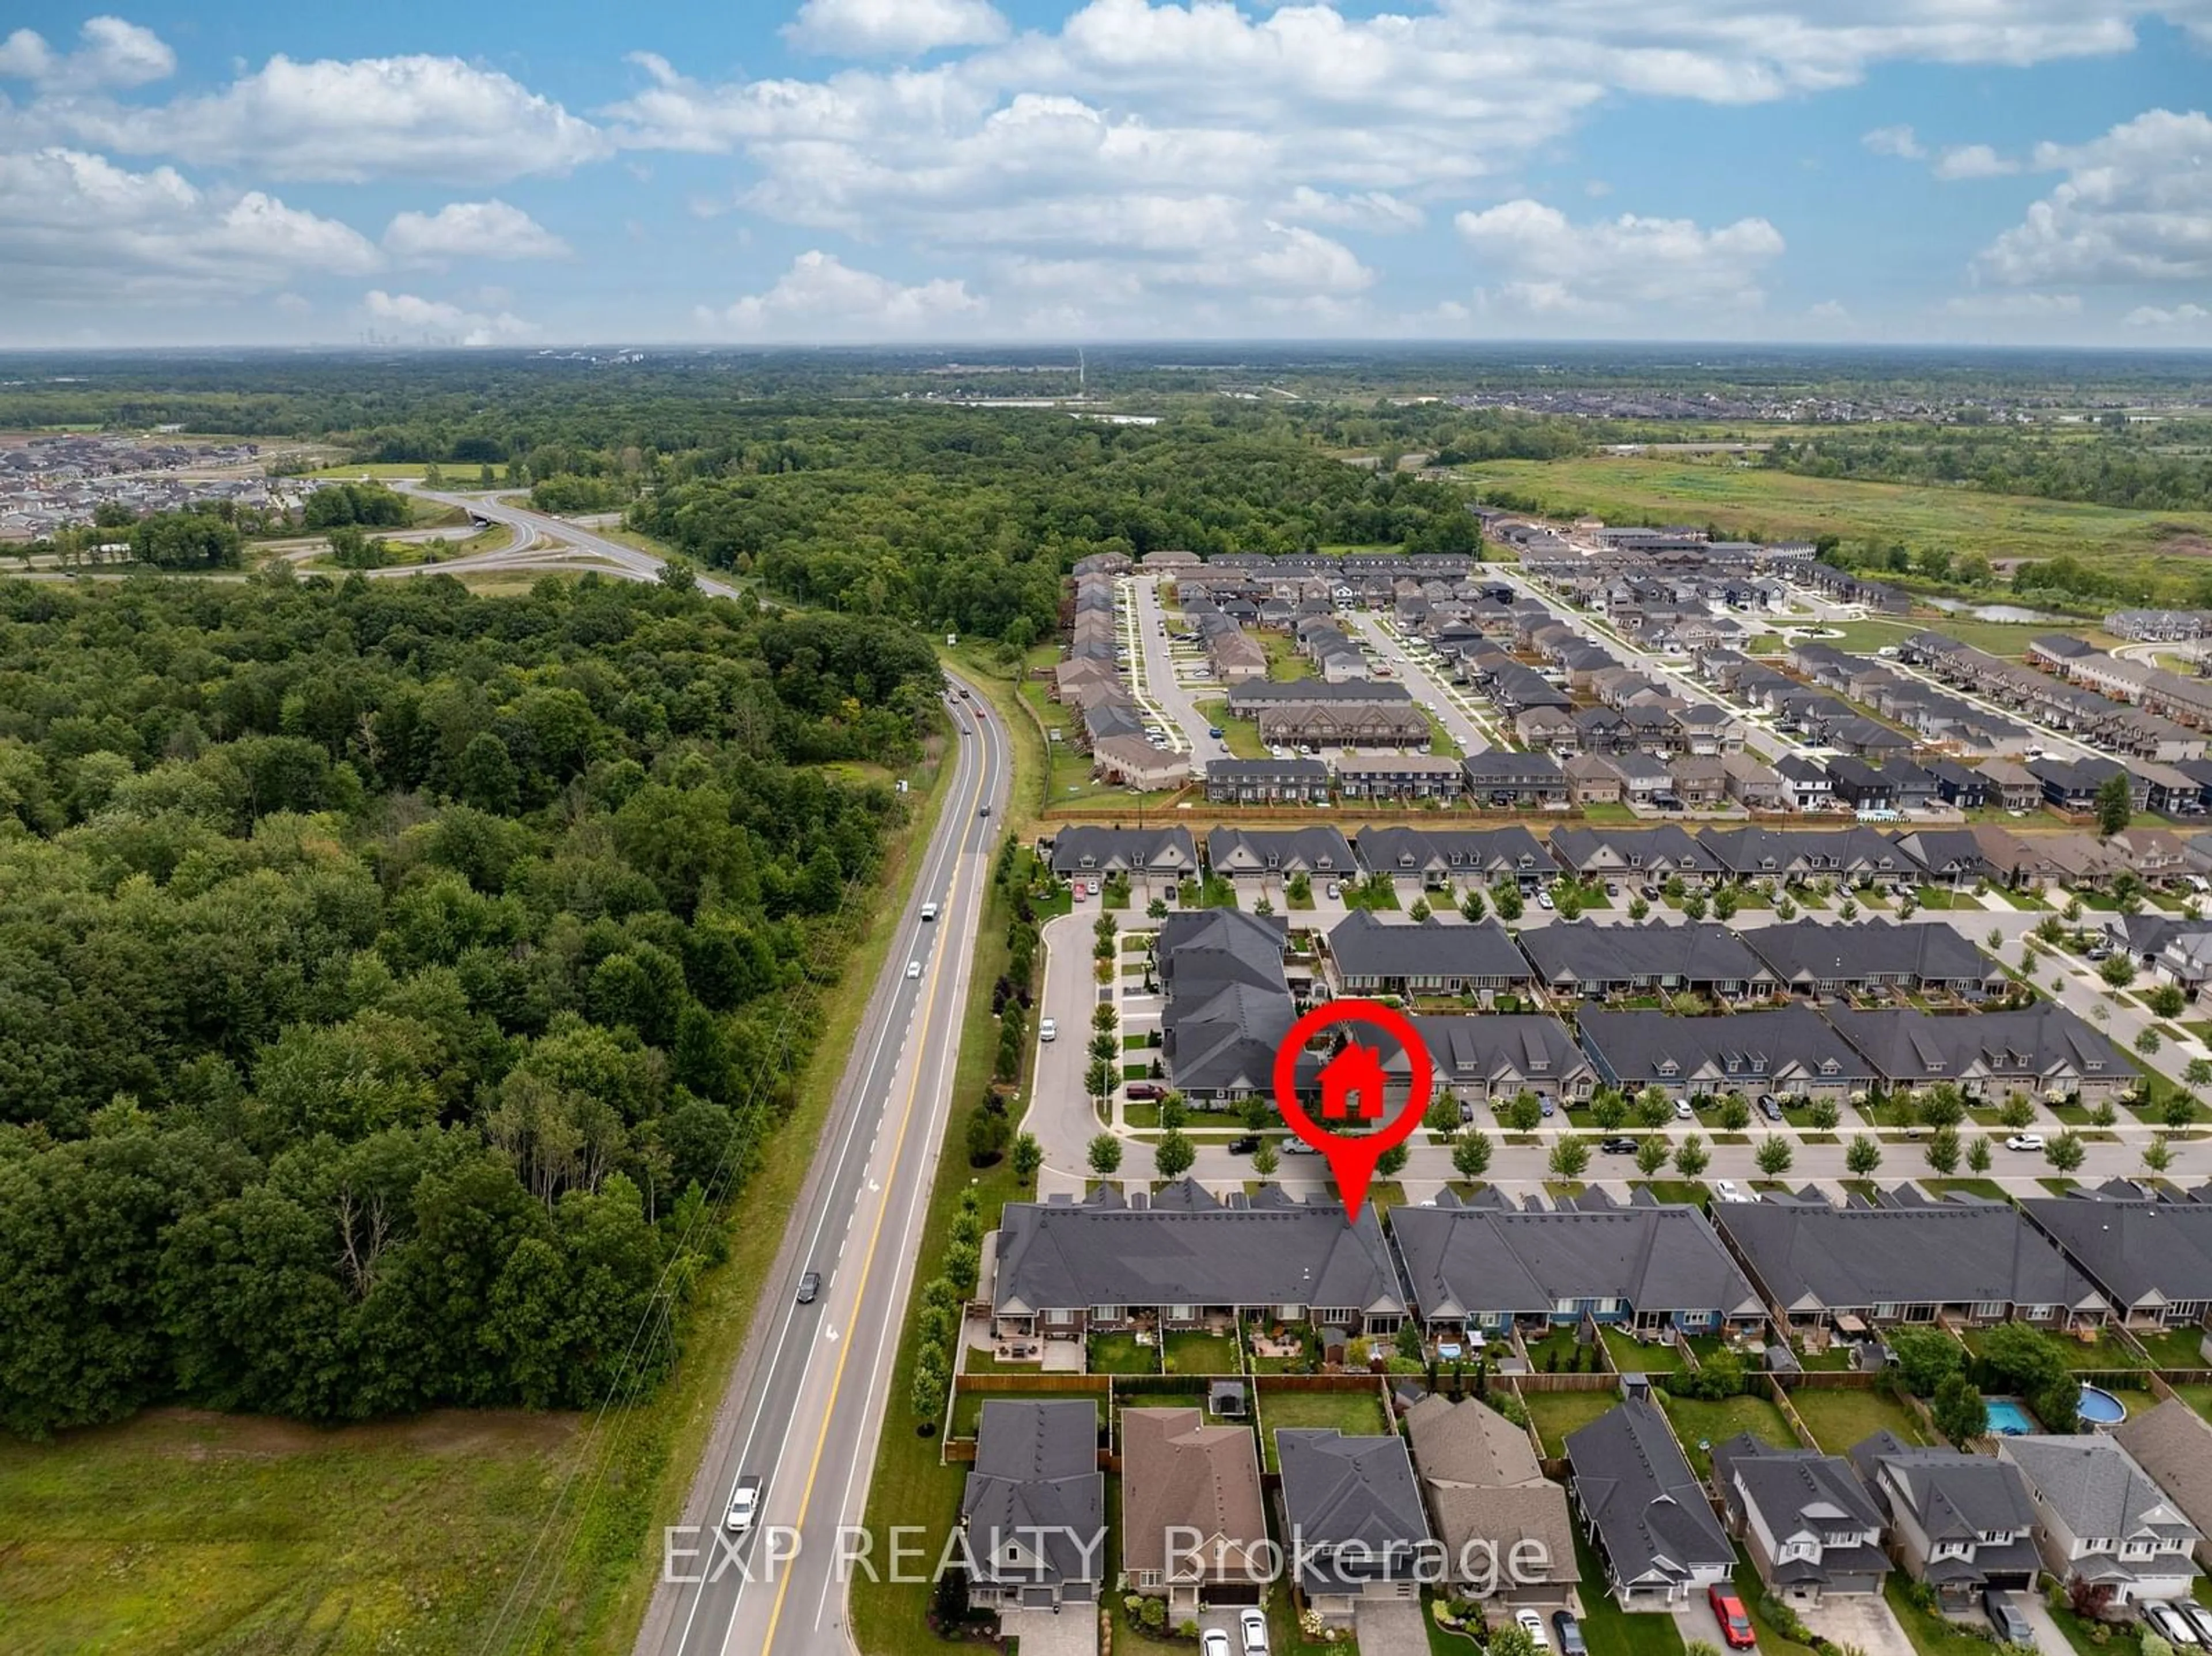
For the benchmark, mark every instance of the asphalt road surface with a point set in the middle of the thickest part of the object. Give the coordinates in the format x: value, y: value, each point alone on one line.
x: 806, y: 1404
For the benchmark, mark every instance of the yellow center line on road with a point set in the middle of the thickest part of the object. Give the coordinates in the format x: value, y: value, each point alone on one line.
x: 875, y: 1231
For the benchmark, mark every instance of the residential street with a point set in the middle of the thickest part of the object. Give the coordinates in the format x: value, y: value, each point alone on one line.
x: 1161, y: 688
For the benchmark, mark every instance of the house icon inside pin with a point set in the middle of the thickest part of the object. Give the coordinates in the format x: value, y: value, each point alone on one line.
x: 1351, y: 1085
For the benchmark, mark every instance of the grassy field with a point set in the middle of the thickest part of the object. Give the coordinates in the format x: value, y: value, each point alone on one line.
x: 182, y: 1531
x: 1836, y: 1420
x: 1780, y: 506
x: 248, y: 1535
x: 1999, y: 638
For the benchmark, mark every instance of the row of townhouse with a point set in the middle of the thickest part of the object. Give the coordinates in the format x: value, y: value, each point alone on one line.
x: 2145, y: 684
x: 2051, y: 700
x: 1445, y: 860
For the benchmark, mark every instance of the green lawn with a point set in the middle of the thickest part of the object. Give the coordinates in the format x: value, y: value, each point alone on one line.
x: 1353, y: 1413
x: 1632, y: 1356
x: 1119, y: 1354
x: 1558, y: 1351
x: 2198, y: 1396
x: 1557, y: 1413
x: 1717, y: 1422
x: 1201, y: 1354
x: 1838, y: 1420
x: 1690, y: 1191
x: 2105, y: 1353
x: 2177, y: 1347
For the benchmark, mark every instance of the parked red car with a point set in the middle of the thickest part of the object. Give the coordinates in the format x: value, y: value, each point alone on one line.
x: 1145, y: 1090
x: 1728, y: 1610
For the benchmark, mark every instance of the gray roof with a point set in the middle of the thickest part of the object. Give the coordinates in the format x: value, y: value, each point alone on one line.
x: 1815, y: 950
x: 2095, y: 1488
x: 2035, y: 1043
x: 1364, y: 945
x: 1501, y: 767
x: 1036, y: 1482
x: 1320, y: 849
x: 1302, y: 770
x: 1228, y: 1002
x: 1803, y: 1492
x: 2173, y: 1443
x: 1700, y: 952
x: 1496, y: 1046
x: 1254, y: 692
x: 1360, y: 1489
x: 1755, y: 852
x: 1463, y: 1261
x: 1954, y: 1497
x: 1277, y: 1251
x: 1634, y: 1486
x: 1668, y: 846
x: 2139, y: 1253
x: 1815, y: 1257
x: 1084, y: 848
x: 1750, y: 1051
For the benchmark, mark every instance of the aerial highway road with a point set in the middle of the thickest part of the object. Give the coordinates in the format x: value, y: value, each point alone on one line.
x: 806, y: 1404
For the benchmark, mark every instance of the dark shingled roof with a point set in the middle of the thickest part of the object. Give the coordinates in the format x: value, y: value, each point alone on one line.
x: 1944, y: 1253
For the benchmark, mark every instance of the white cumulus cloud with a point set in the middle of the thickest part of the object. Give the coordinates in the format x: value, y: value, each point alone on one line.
x: 349, y: 122
x: 1367, y: 210
x: 2135, y: 206
x: 2014, y: 306
x: 868, y: 29
x: 822, y: 298
x: 1542, y: 265
x: 111, y: 53
x: 441, y: 321
x: 472, y: 230
x: 74, y: 227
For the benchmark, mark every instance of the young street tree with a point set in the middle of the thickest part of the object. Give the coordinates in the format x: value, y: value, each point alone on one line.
x: 1570, y: 1157
x: 1651, y: 1155
x: 1471, y: 1152
x: 1862, y: 1155
x: 1774, y: 1156
x: 2065, y: 1151
x: 1174, y: 1155
x: 1105, y: 1155
x: 1691, y: 1155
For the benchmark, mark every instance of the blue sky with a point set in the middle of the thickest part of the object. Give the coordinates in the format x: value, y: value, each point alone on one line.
x: 971, y: 171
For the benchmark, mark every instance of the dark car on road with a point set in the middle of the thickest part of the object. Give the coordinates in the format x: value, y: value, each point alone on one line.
x: 1244, y: 1145
x: 1770, y: 1107
x: 809, y: 1286
x: 1619, y: 1147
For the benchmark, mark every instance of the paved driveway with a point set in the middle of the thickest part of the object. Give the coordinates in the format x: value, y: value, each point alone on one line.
x: 1866, y: 1622
x: 1390, y: 1627
x: 1073, y: 1632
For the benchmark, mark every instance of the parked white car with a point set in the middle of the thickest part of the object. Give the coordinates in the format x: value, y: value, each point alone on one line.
x: 1252, y: 1625
x: 2025, y: 1141
x: 1048, y: 1030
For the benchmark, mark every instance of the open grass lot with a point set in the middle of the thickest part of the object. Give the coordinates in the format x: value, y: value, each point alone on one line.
x: 1999, y: 638
x: 1201, y: 1354
x: 1780, y: 506
x: 1836, y: 1420
x: 1555, y: 1414
x: 1353, y: 1413
x: 184, y: 1531
x: 1716, y: 1422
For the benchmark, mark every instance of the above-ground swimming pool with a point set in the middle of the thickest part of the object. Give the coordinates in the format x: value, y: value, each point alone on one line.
x: 2101, y: 1408
x: 2009, y: 1418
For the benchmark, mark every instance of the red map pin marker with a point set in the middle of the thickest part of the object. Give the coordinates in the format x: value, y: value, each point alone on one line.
x: 1352, y: 1086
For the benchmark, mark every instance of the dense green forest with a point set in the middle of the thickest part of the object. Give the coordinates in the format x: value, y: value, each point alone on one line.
x: 969, y: 519
x: 389, y: 977
x: 2155, y: 467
